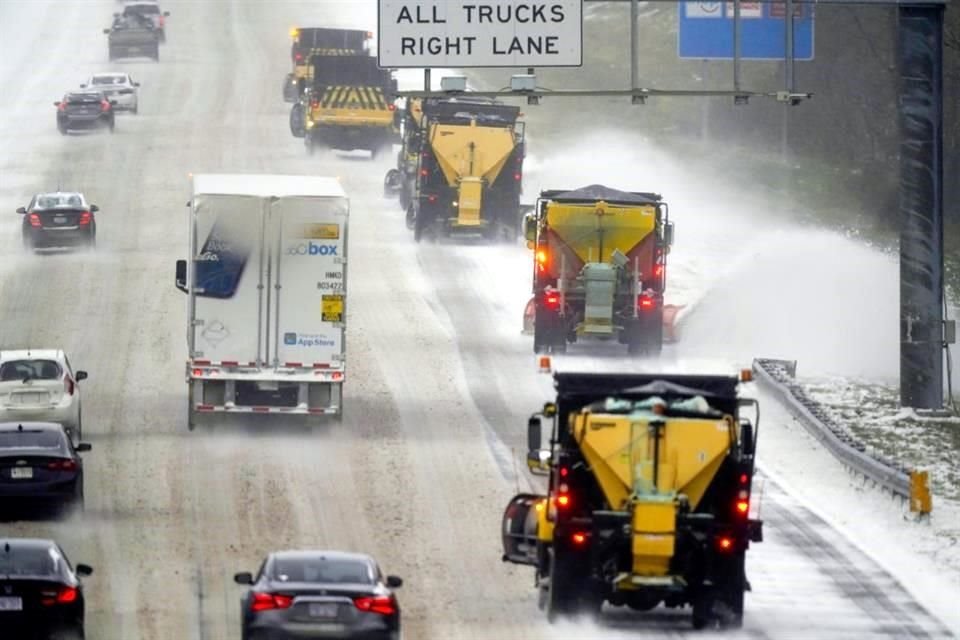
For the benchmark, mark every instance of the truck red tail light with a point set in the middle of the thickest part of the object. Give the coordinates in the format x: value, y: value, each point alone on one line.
x: 658, y: 271
x: 724, y: 544
x: 384, y: 605
x: 517, y: 176
x: 551, y: 300
x: 742, y: 505
x: 267, y: 601
x: 646, y: 302
x: 579, y: 538
x: 424, y: 173
x: 85, y: 217
x: 298, y: 57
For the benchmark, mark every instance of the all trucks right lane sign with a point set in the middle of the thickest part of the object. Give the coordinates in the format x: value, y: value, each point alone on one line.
x: 485, y: 33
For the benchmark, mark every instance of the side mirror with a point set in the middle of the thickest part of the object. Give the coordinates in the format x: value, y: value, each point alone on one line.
x: 113, y: 102
x: 94, y: 208
x: 166, y: 14
x: 394, y: 582
x: 83, y: 447
x: 244, y: 577
x: 82, y: 375
x: 530, y: 227
x: 83, y: 86
x: 107, y: 31
x: 84, y: 570
x: 668, y: 234
x: 21, y: 210
x: 181, y: 277
x: 534, y: 435
x: 56, y: 104
x: 538, y: 462
x: 136, y: 84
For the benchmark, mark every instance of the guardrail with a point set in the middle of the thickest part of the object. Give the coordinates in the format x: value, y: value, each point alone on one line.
x: 779, y: 377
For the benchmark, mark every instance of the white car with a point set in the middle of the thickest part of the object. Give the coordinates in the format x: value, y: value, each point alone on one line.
x: 40, y: 385
x: 118, y: 87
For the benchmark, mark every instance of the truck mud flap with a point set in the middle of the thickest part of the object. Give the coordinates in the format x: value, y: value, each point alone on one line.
x: 520, y: 529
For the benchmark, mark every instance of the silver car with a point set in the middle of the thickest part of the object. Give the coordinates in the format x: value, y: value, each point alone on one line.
x: 118, y: 87
x: 39, y: 385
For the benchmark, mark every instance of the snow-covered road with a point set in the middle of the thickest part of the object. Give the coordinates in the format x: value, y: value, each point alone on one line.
x: 441, y: 381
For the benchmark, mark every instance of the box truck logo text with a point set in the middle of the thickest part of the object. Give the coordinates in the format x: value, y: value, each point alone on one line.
x: 307, y: 340
x: 312, y: 249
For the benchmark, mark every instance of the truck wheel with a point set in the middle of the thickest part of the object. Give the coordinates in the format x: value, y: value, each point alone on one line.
x: 191, y: 414
x: 411, y: 216
x: 297, y: 128
x: 567, y: 595
x: 156, y: 53
x: 308, y: 143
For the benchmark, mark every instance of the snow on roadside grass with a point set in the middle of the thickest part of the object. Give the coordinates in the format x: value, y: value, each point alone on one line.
x: 871, y: 412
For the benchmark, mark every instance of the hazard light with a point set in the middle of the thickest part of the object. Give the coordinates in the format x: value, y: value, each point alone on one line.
x: 725, y: 543
x: 743, y: 502
x: 646, y: 302
x: 294, y: 33
x: 746, y: 375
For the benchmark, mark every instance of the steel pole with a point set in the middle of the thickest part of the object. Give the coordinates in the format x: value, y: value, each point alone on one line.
x: 920, y: 89
x: 736, y: 45
x: 634, y: 43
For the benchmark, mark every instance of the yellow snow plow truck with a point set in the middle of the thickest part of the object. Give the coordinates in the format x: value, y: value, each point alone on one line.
x: 648, y: 499
x: 349, y: 105
x: 461, y: 168
x: 599, y: 268
x: 317, y: 41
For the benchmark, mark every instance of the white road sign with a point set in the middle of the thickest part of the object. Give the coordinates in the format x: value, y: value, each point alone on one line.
x: 480, y: 33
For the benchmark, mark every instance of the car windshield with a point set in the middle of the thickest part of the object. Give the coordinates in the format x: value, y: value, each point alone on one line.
x: 108, y: 80
x: 29, y: 370
x: 31, y: 440
x: 320, y: 569
x: 30, y: 562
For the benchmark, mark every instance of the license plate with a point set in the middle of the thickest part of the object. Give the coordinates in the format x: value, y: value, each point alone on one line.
x: 59, y: 219
x: 133, y: 49
x: 30, y: 398
x: 11, y: 604
x: 268, y: 385
x: 323, y: 610
x: 21, y: 473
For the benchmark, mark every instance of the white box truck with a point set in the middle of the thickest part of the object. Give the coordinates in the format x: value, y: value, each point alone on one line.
x: 266, y: 295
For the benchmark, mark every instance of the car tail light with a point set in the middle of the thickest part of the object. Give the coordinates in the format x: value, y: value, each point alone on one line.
x: 62, y: 465
x: 35, y: 220
x: 384, y: 605
x: 61, y: 106
x: 68, y: 386
x: 160, y: 20
x: 268, y: 601
x: 85, y: 217
x: 66, y: 595
x: 104, y: 105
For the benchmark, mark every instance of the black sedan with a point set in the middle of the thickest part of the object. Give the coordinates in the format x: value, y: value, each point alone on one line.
x: 87, y: 109
x: 40, y: 464
x: 58, y: 220
x: 40, y: 592
x: 319, y: 594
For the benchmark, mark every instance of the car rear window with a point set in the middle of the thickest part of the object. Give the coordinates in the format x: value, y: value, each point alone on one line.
x: 31, y: 440
x: 89, y: 98
x: 108, y: 80
x: 30, y: 562
x: 141, y: 8
x: 58, y: 200
x: 29, y: 369
x: 319, y: 569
